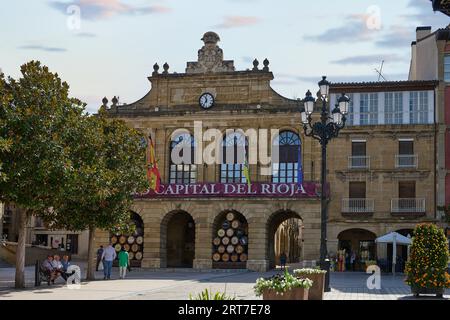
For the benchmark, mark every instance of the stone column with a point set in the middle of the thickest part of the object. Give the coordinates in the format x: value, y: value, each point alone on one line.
x: 153, y: 256
x: 257, y: 246
x: 203, y: 243
x: 311, y: 243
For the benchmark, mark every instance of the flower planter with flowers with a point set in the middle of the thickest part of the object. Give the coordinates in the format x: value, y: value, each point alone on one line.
x: 318, y: 278
x: 426, y: 269
x: 283, y: 287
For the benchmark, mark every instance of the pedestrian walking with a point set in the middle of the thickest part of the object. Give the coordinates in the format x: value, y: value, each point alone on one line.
x: 283, y: 259
x: 108, y: 256
x: 99, y: 257
x: 123, y: 263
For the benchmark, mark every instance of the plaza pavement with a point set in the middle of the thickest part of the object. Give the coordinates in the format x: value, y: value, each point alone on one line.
x: 178, y: 284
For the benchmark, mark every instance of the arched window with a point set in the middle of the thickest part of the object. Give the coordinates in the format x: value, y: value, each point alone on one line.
x: 285, y: 166
x: 234, y: 156
x: 184, y: 171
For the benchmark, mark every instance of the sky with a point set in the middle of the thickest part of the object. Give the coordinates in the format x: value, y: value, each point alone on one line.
x: 108, y: 47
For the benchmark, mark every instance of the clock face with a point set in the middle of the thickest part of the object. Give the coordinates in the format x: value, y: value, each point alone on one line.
x: 206, y: 100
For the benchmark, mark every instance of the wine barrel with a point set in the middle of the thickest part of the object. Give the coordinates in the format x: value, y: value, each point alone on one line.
x: 234, y: 257
x: 239, y: 233
x: 239, y: 249
x: 127, y: 247
x: 122, y: 239
x: 243, y: 241
x: 230, y: 232
x: 139, y: 240
x: 230, y: 248
x: 243, y: 257
x: 117, y: 247
x: 138, y: 255
x: 225, y: 257
x: 113, y: 240
x: 216, y: 257
x: 131, y: 255
x: 130, y: 239
x: 221, y: 233
x: 225, y: 225
x: 230, y: 216
x: 216, y: 241
x: 235, y: 224
x: 234, y: 240
x: 221, y: 249
x: 135, y: 248
x: 225, y: 240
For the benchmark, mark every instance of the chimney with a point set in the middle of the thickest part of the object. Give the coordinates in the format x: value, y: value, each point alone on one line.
x: 422, y: 32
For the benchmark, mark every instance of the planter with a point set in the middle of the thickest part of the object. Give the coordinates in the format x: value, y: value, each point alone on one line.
x: 293, y: 294
x: 416, y: 291
x: 317, y: 289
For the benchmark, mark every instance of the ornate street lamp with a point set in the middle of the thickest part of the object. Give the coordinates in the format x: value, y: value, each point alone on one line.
x: 324, y: 130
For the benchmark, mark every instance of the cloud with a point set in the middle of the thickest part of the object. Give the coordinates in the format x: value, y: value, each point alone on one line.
x: 104, y: 9
x: 369, y: 59
x: 85, y: 35
x: 355, y: 29
x: 397, y: 36
x: 424, y: 14
x: 238, y: 21
x: 42, y: 48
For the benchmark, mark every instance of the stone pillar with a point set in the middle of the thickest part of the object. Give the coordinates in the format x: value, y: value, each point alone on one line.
x: 203, y: 243
x: 257, y: 245
x: 153, y: 256
x: 311, y: 243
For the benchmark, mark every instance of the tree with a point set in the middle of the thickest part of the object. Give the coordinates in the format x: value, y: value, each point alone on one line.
x: 37, y: 117
x: 427, y: 264
x: 107, y: 169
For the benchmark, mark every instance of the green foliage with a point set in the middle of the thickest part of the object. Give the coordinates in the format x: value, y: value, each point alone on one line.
x: 306, y: 271
x: 427, y: 264
x: 36, y: 118
x: 281, y: 283
x: 209, y: 295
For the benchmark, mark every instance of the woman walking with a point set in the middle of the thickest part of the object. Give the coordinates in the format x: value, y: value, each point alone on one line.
x: 123, y: 263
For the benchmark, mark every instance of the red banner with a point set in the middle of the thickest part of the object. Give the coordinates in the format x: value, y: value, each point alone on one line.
x: 235, y: 190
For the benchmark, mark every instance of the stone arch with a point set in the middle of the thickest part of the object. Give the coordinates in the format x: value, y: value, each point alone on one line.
x: 273, y: 223
x: 359, y: 241
x: 177, y: 242
x: 236, y: 223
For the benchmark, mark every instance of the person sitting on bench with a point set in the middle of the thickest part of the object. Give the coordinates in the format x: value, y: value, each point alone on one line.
x: 49, y: 270
x: 65, y: 265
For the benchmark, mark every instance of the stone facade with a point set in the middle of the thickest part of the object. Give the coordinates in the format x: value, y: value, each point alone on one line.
x: 245, y: 100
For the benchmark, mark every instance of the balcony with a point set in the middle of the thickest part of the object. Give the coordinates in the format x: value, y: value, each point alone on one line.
x: 408, y: 206
x: 406, y: 161
x: 358, y: 162
x: 357, y: 205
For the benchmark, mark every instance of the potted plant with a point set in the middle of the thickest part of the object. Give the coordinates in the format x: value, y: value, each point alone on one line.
x: 318, y: 278
x: 283, y: 287
x: 426, y: 269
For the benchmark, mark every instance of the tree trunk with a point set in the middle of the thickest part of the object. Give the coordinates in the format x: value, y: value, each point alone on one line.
x: 20, y: 251
x: 91, y: 255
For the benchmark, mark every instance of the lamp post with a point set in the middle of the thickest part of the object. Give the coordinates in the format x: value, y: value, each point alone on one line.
x: 324, y: 130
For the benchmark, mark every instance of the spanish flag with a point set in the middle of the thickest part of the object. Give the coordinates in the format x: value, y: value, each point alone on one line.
x: 153, y: 175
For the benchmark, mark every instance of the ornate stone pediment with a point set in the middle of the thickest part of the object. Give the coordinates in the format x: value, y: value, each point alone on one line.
x: 210, y: 57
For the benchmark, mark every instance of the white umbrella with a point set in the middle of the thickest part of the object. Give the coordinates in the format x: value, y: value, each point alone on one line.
x: 394, y: 238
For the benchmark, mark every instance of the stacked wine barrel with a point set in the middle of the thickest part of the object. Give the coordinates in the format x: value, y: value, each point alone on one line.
x: 133, y: 244
x: 231, y: 241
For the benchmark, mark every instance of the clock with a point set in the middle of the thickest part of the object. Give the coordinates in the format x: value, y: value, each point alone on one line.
x: 206, y: 100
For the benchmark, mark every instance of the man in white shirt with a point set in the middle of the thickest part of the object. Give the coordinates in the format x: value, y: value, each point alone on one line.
x: 108, y: 256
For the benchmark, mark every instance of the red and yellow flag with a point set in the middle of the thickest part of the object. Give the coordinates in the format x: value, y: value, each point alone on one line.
x: 153, y: 175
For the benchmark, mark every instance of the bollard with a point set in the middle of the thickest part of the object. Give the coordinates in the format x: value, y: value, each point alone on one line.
x: 37, y: 278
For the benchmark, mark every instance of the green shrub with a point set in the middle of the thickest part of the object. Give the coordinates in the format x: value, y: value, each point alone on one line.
x: 427, y: 264
x: 209, y: 295
x: 306, y: 271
